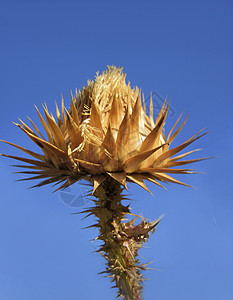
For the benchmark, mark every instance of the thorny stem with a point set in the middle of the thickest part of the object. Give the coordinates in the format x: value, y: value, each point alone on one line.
x: 121, y: 240
x: 111, y: 213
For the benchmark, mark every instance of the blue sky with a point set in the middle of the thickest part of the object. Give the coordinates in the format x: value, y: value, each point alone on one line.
x: 179, y: 49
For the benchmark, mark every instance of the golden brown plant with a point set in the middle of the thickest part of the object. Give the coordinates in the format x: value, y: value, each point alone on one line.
x: 107, y: 138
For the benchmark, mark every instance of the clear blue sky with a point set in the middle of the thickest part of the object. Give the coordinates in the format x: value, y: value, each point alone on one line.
x: 182, y: 49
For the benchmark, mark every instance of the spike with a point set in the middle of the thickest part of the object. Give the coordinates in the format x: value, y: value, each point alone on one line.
x: 97, y: 179
x: 95, y: 120
x: 63, y: 110
x: 58, y: 115
x: 173, y: 127
x: 26, y: 127
x: 55, y: 131
x: 138, y: 179
x: 74, y: 112
x: 37, y: 130
x: 150, y: 140
x: 29, y: 161
x: 183, y: 155
x: 122, y: 141
x: 173, y: 151
x: 74, y: 132
x: 170, y: 139
x: 45, y: 126
x: 171, y: 164
x: 151, y: 178
x: 120, y: 177
x: 165, y: 177
x: 151, y: 109
x: 36, y: 155
x: 133, y: 164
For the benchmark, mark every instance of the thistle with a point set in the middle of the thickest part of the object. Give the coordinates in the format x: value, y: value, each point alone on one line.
x: 107, y: 138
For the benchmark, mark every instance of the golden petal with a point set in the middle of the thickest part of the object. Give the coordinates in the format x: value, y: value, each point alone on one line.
x: 29, y: 161
x: 170, y: 164
x: 37, y: 130
x: 59, y: 121
x: 133, y: 163
x: 135, y: 125
x: 36, y: 155
x: 95, y: 120
x: 74, y: 132
x: 63, y: 110
x: 165, y: 170
x: 123, y: 141
x: 151, y: 139
x: 161, y: 112
x: 55, y: 131
x: 32, y: 178
x: 45, y: 126
x: 26, y: 127
x: 151, y: 109
x: 138, y: 179
x: 115, y: 115
x: 144, y: 104
x: 47, y: 172
x: 51, y: 151
x: 183, y: 155
x: 32, y: 167
x: 165, y: 177
x: 108, y: 155
x: 74, y: 112
x: 173, y: 127
x: 151, y: 178
x: 170, y: 139
x: 109, y: 143
x: 93, y: 167
x: 175, y: 150
x: 48, y: 181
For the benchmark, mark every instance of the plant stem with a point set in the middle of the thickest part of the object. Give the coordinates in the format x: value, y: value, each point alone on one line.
x: 118, y: 248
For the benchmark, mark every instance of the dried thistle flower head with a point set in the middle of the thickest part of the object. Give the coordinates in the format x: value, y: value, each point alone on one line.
x: 107, y: 138
x: 106, y: 132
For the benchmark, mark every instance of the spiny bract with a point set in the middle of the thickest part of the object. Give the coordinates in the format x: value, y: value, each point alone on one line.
x: 106, y: 132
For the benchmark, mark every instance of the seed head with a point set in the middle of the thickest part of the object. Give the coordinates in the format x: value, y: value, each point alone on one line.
x: 106, y: 132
